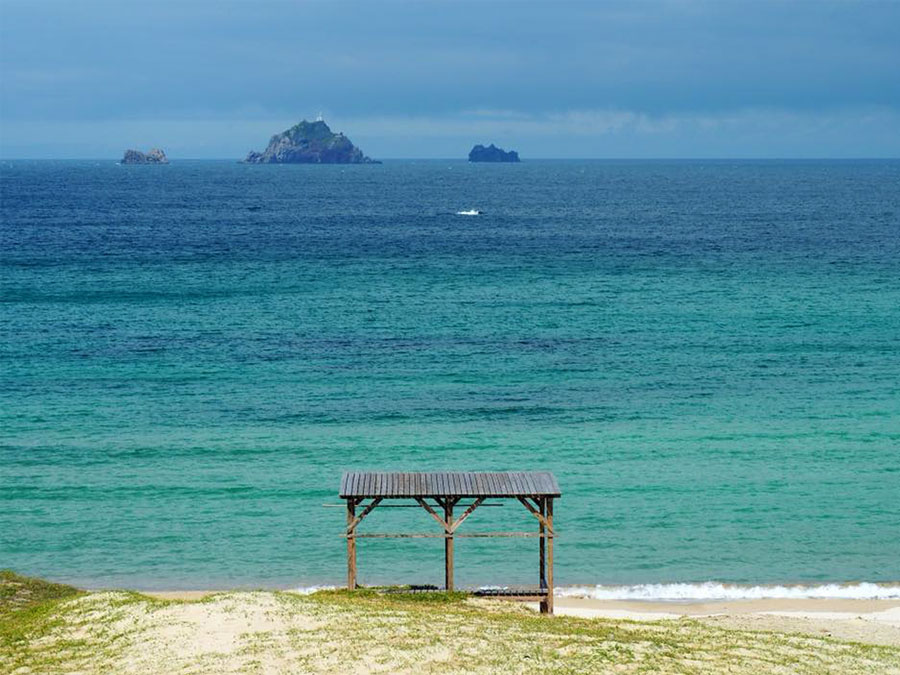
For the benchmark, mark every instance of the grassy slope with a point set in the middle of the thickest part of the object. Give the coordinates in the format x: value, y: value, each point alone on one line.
x: 50, y: 628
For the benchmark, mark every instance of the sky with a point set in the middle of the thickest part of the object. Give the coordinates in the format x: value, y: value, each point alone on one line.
x: 428, y: 79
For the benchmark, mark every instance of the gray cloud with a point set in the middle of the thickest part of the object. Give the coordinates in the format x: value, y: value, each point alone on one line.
x: 652, y: 70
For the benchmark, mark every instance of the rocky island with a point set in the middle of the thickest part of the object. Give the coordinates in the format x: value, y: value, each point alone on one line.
x: 309, y: 143
x: 155, y: 156
x: 492, y: 154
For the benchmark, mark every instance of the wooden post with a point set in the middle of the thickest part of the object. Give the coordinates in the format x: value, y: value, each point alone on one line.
x: 549, y: 517
x: 543, y: 548
x: 448, y: 545
x: 351, y: 544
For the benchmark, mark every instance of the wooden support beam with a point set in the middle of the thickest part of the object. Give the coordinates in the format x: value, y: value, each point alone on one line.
x: 537, y: 514
x: 549, y: 518
x: 401, y: 506
x: 351, y: 544
x: 543, y: 554
x: 434, y: 515
x: 448, y: 545
x: 466, y: 514
x: 366, y: 511
x: 429, y: 535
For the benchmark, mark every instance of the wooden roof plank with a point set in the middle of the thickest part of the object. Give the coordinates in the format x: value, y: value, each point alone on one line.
x: 549, y: 482
x: 539, y: 484
x: 448, y: 484
x: 511, y: 480
x: 529, y: 485
x: 496, y: 483
x: 518, y: 481
x: 492, y: 483
x: 514, y: 481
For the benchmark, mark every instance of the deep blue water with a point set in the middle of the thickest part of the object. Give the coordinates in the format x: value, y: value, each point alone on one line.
x: 707, y: 354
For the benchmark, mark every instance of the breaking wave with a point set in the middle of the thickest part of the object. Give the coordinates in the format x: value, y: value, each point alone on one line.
x: 718, y: 591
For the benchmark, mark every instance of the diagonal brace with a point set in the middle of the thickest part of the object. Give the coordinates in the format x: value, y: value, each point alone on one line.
x: 434, y: 515
x: 366, y: 511
x: 536, y: 513
x: 466, y: 514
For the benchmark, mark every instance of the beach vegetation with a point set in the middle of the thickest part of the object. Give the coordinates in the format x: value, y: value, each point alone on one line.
x: 50, y: 628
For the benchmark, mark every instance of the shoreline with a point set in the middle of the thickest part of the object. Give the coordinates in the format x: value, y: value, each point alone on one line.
x: 687, y: 608
x: 654, y: 609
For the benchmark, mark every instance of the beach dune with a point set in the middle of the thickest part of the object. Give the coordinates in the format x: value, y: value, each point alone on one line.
x: 49, y: 628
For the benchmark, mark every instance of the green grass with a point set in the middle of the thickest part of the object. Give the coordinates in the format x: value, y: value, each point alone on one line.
x: 29, y: 612
x: 18, y: 592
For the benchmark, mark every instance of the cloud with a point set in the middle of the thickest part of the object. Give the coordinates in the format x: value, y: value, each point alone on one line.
x: 97, y: 60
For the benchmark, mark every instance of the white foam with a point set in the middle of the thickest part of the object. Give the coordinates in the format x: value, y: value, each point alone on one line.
x: 308, y: 590
x: 712, y: 590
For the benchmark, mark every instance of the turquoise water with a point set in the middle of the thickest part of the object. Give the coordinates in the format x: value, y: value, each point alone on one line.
x: 707, y: 354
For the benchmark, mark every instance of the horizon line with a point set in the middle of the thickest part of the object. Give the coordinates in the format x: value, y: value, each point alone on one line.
x: 465, y: 160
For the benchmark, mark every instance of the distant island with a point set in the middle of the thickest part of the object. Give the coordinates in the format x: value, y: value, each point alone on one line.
x: 309, y: 143
x: 155, y: 156
x: 492, y: 154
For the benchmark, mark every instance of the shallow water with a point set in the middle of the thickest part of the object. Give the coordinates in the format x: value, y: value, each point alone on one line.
x: 707, y: 354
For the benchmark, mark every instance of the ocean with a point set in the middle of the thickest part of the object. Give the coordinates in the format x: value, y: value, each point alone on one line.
x: 705, y: 353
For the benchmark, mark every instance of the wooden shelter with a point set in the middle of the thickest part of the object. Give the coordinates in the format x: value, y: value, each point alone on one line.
x: 439, y: 494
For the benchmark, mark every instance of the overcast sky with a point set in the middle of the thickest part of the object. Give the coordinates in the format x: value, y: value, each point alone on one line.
x: 429, y: 79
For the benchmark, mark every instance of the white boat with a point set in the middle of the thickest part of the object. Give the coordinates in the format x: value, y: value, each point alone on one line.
x: 470, y: 212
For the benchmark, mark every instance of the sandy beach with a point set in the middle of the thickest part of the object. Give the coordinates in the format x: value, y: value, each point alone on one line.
x: 867, y: 621
x: 874, y: 622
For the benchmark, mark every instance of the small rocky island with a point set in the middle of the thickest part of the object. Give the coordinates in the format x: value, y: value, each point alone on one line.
x: 155, y: 156
x: 492, y: 154
x: 309, y: 143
